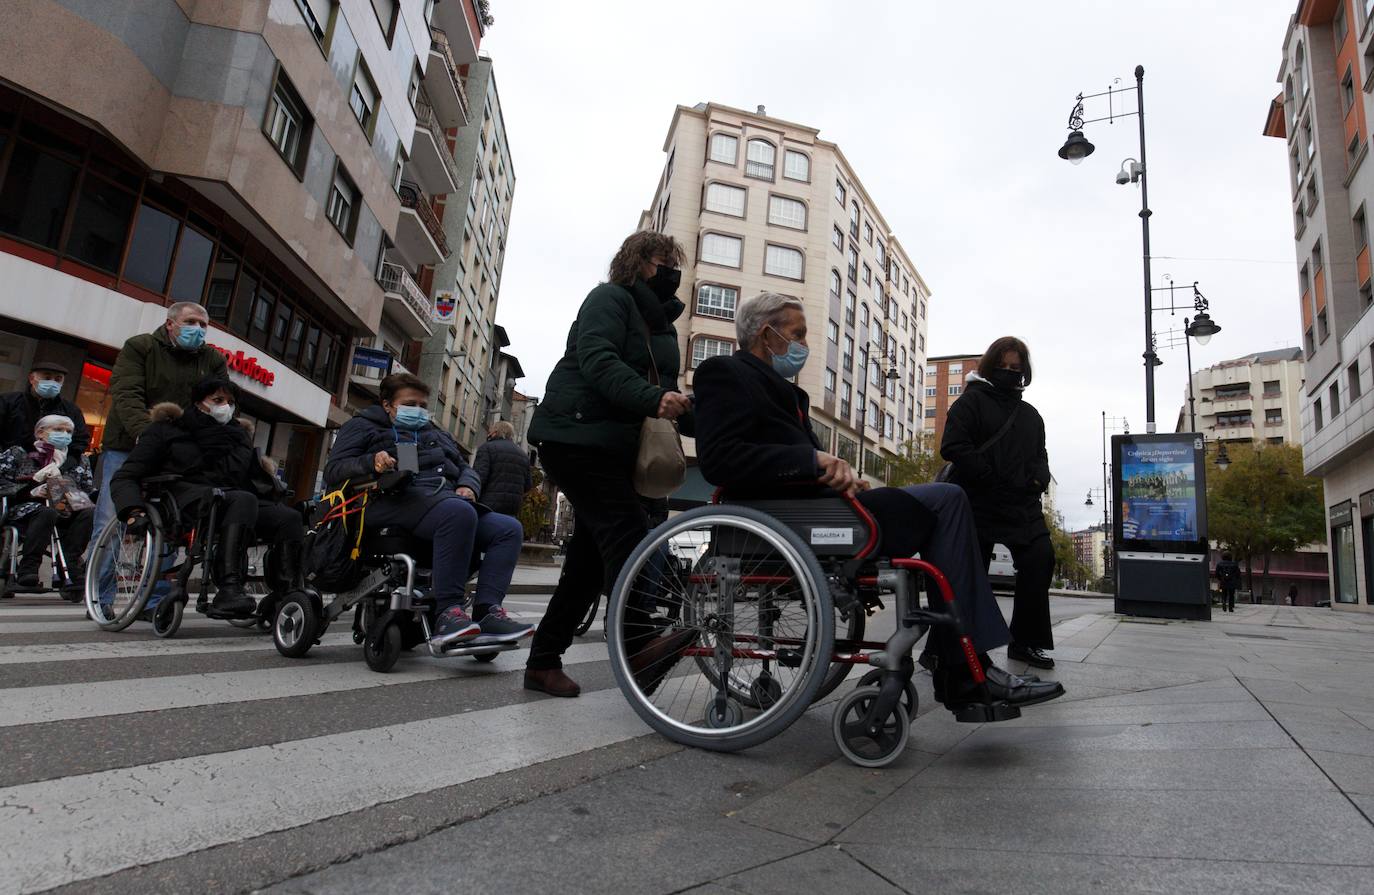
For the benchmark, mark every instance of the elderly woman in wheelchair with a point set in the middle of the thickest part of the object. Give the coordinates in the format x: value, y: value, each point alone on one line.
x: 794, y: 546
x: 46, y: 507
x: 436, y: 503
x: 195, y: 475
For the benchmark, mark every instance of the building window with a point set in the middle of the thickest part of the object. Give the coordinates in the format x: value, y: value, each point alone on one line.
x: 717, y: 248
x: 786, y: 212
x: 796, y: 165
x: 781, y: 261
x: 955, y: 389
x: 363, y: 98
x: 723, y: 198
x: 832, y: 332
x: 930, y: 413
x: 193, y: 265
x: 868, y: 274
x: 287, y: 124
x: 758, y: 159
x: 837, y: 238
x: 849, y: 301
x: 1361, y: 231
x: 717, y: 301
x: 1272, y: 388
x: 1273, y: 417
x: 847, y: 358
x: 846, y: 400
x: 1352, y: 374
x: 829, y: 384
x: 317, y: 14
x: 386, y: 11
x: 1309, y: 344
x: 840, y: 193
x: 342, y: 209
x: 834, y: 282
x: 1347, y: 91
x: 853, y: 270
x: 704, y: 348
x: 889, y: 425
x: 1323, y: 330
x: 1317, y: 414
x: 854, y: 219
x: 724, y: 148
x: 1333, y: 399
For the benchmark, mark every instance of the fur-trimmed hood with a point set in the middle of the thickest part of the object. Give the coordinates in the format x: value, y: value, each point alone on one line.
x: 165, y: 412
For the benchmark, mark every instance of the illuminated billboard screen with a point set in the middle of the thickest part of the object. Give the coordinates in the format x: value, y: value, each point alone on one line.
x: 1161, y: 492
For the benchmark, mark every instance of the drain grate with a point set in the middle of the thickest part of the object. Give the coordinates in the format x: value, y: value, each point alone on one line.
x: 1256, y: 636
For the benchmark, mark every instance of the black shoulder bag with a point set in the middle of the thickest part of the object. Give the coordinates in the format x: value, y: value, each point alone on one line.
x: 947, y: 471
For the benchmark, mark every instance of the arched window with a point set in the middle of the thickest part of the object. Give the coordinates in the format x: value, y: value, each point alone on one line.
x: 1290, y: 102
x: 796, y: 165
x: 1300, y: 63
x: 759, y: 159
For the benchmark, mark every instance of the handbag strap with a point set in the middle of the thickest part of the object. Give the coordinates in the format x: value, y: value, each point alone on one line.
x: 1006, y: 427
x: 644, y: 328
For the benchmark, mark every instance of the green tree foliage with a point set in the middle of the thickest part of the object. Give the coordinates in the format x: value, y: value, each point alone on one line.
x: 1068, y: 570
x: 916, y: 463
x: 1262, y: 504
x: 534, y: 512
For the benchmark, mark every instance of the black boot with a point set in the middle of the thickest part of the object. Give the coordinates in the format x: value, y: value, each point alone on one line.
x: 27, y: 573
x: 231, y: 559
x: 285, y: 570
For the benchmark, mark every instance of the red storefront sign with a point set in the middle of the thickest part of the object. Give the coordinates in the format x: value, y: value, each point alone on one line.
x: 246, y: 366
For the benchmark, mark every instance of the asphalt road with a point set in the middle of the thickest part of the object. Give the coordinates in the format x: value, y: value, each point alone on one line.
x: 208, y: 763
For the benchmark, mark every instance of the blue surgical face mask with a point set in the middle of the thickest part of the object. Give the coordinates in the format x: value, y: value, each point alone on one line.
x: 408, y: 417
x: 190, y: 336
x: 59, y: 439
x: 48, y: 388
x: 790, y: 363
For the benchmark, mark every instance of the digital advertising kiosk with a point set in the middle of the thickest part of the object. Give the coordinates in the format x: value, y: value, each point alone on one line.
x: 1160, y: 532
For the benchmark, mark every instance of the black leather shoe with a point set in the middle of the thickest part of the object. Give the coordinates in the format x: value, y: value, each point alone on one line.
x: 1003, y: 686
x: 1030, y: 655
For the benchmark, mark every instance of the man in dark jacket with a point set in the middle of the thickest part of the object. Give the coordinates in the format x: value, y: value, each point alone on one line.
x: 753, y: 429
x: 153, y: 368
x: 504, y: 470
x: 21, y: 411
x: 1228, y: 576
x: 439, y: 505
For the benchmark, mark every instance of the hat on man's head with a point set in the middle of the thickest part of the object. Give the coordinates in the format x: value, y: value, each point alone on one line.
x: 48, y: 366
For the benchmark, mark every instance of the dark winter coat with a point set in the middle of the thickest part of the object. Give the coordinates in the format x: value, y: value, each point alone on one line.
x: 21, y: 411
x: 753, y: 426
x: 599, y: 393
x: 189, y: 443
x: 16, y: 474
x: 504, y: 469
x: 151, y: 370
x: 442, y: 468
x: 1003, y: 483
x: 1228, y: 573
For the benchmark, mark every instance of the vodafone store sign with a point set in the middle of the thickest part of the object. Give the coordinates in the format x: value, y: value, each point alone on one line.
x: 246, y: 366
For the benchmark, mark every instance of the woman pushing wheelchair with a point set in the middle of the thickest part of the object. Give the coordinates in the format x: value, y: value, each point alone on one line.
x: 439, y: 504
x: 207, y: 449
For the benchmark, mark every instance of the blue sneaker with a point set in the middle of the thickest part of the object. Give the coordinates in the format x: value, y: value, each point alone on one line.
x: 452, y: 625
x: 498, y: 627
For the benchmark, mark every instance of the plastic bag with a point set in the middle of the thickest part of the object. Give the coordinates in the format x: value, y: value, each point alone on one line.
x: 64, y: 495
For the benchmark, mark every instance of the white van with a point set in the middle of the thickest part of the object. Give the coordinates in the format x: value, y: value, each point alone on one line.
x: 1001, y: 571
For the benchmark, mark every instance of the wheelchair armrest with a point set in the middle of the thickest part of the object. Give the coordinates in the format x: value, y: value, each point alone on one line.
x: 164, y: 479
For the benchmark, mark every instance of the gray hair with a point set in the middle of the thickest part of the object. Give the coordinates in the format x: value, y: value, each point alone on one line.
x: 760, y: 311
x: 501, y: 429
x: 174, y: 310
x: 52, y: 419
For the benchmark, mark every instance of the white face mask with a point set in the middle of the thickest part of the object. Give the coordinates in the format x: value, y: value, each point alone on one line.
x: 221, y: 413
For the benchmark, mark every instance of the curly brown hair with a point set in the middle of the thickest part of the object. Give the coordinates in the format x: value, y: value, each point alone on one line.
x: 992, y: 358
x: 639, y: 248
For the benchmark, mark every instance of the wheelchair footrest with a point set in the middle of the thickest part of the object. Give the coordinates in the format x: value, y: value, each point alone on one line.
x: 982, y: 713
x: 464, y: 648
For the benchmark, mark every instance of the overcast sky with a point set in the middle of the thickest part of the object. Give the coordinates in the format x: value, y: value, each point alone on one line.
x: 953, y: 121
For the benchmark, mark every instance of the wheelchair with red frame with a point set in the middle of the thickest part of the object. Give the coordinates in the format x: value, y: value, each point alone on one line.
x: 771, y: 579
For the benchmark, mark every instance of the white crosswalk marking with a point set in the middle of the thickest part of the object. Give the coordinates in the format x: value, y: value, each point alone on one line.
x: 146, y: 648
x: 73, y: 828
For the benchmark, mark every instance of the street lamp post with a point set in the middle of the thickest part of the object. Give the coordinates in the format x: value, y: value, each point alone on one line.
x: 1114, y: 423
x: 891, y: 373
x: 1075, y: 149
x: 1200, y: 327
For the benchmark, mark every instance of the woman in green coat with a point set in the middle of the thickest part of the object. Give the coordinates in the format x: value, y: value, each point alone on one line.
x: 587, y: 429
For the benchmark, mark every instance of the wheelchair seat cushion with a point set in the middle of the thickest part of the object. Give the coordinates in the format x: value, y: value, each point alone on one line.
x: 391, y: 539
x: 904, y: 521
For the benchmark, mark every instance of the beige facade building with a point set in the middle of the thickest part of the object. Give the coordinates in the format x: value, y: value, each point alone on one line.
x: 1323, y: 111
x: 766, y: 205
x: 1090, y: 548
x: 1253, y: 399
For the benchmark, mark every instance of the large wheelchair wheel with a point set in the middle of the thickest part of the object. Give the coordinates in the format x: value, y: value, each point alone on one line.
x: 753, y: 613
x: 122, y: 572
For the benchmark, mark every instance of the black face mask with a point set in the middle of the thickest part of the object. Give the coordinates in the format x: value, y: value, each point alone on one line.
x: 1010, y: 380
x: 665, y: 281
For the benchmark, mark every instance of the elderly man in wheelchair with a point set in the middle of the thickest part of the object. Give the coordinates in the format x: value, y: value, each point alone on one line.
x: 794, y: 546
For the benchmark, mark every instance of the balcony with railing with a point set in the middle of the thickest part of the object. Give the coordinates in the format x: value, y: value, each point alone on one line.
x: 430, y: 158
x: 406, y: 303
x: 419, y: 234
x: 447, y: 86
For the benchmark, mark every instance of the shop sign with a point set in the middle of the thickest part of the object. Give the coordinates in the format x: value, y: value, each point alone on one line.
x: 1341, y: 514
x: 445, y: 307
x: 246, y: 366
x: 372, y: 357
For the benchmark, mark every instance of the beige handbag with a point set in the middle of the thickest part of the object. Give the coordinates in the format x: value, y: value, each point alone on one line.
x: 661, y: 464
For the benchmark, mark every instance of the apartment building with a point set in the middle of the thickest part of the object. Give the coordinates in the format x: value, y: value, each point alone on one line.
x: 1090, y: 548
x: 243, y: 155
x: 1252, y: 399
x: 766, y: 205
x: 1323, y: 111
x: 465, y: 361
x: 944, y: 384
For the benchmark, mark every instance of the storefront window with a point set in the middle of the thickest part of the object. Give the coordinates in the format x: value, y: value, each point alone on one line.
x: 293, y: 341
x: 221, y: 292
x: 1343, y: 561
x: 101, y: 224
x: 193, y: 262
x: 279, y: 327
x: 34, y: 198
x: 93, y: 397
x: 262, y: 317
x: 244, y: 299
x: 150, y: 251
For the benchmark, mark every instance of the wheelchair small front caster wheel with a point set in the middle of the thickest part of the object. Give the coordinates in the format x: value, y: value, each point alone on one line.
x: 909, y: 698
x: 865, y: 746
x: 765, y: 691
x: 382, y: 649
x: 724, y: 713
x: 484, y: 657
x: 167, y: 617
x: 293, y: 631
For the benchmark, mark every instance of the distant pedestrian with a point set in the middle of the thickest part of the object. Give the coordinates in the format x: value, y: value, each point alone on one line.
x: 1228, y: 576
x: 1292, y: 595
x: 504, y: 469
x: 996, y: 441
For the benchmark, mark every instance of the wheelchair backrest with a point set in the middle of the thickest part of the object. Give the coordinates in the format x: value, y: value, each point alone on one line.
x: 830, y: 526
